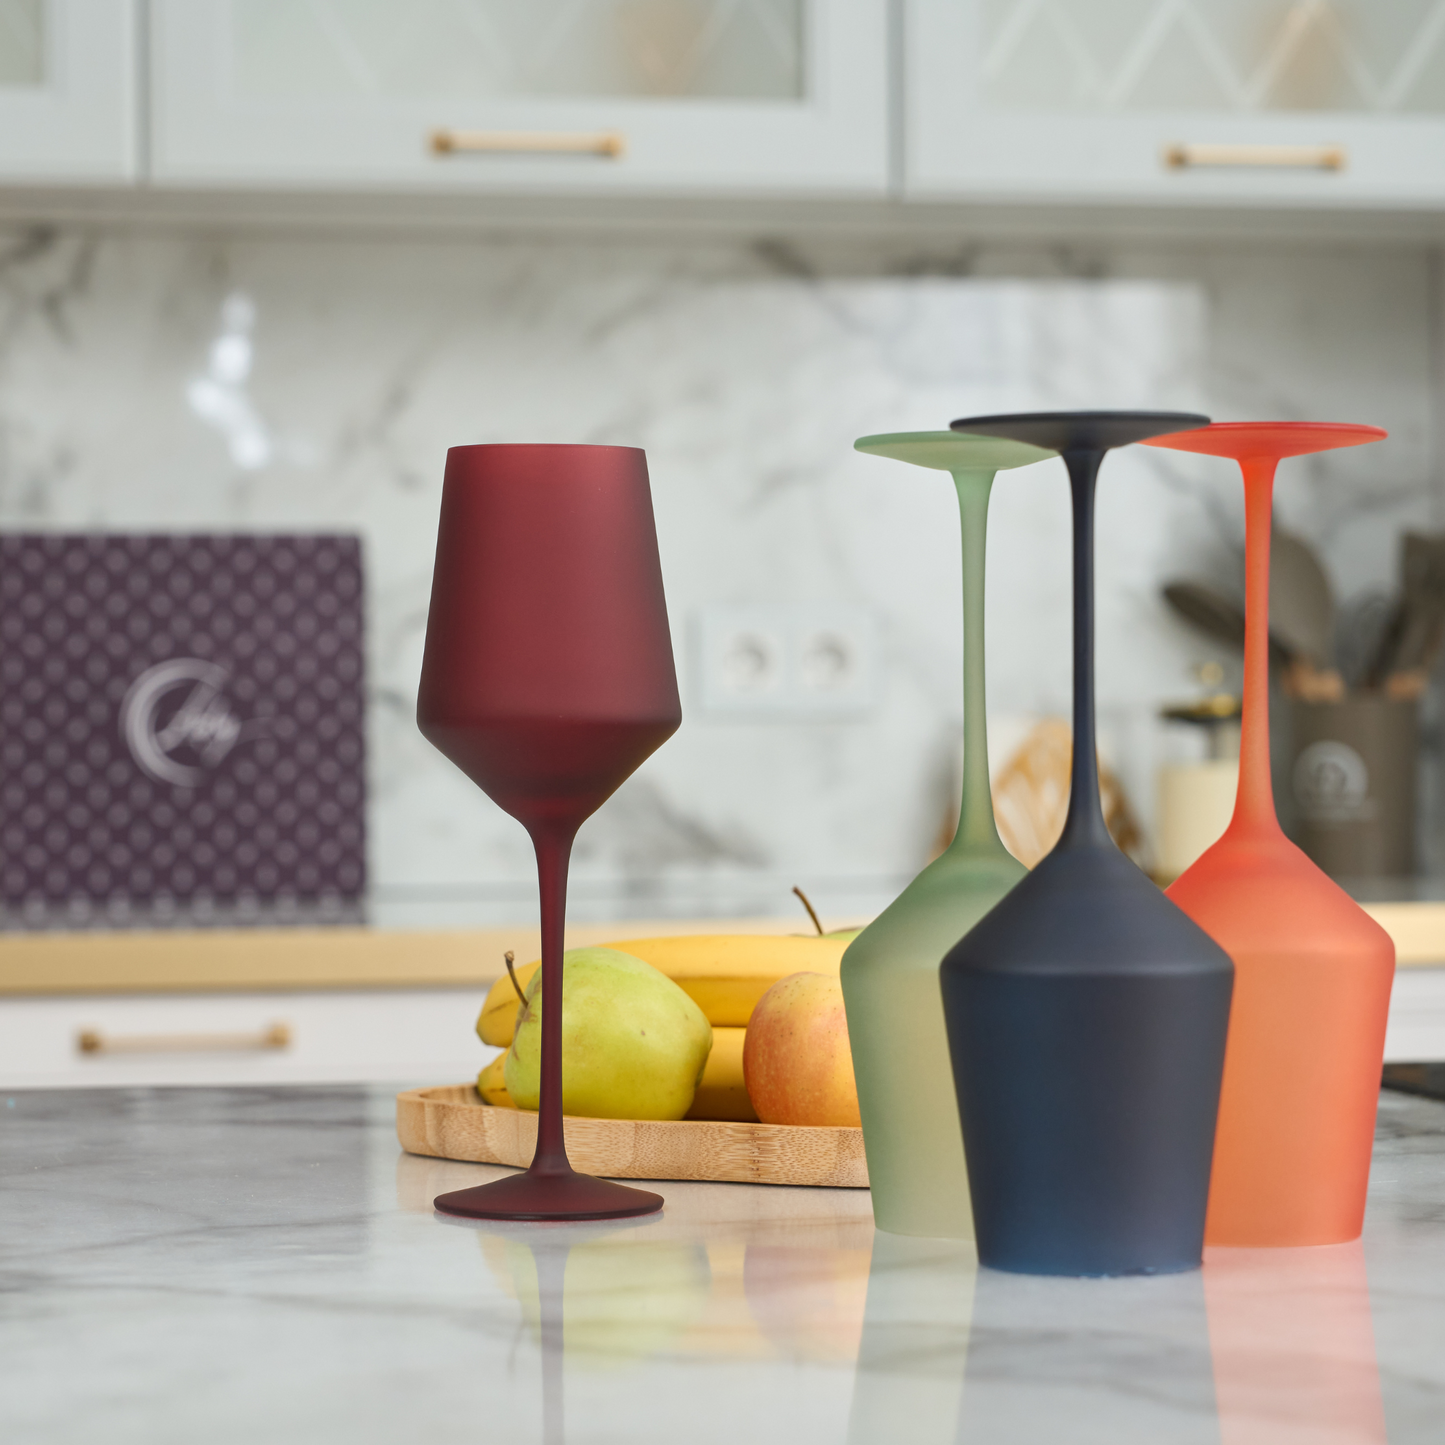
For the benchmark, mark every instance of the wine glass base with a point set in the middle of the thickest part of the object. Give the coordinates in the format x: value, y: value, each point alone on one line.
x: 549, y: 1197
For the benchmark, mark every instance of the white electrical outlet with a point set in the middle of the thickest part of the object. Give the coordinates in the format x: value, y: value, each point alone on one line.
x: 786, y: 659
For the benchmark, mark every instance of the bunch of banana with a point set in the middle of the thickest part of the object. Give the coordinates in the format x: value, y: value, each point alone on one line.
x: 724, y: 974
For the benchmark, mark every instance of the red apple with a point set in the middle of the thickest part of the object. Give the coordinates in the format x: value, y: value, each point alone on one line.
x: 796, y: 1061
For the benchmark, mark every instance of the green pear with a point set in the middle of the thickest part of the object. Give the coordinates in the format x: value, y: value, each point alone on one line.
x: 633, y: 1043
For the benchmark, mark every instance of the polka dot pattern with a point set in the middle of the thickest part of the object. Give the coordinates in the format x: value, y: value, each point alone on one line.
x: 181, y: 729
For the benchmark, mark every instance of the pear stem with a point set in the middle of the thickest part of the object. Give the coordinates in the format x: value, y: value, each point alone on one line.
x: 509, y: 958
x: 812, y: 913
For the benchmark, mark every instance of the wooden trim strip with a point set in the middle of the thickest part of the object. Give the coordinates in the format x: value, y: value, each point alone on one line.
x: 264, y: 959
x: 270, y: 959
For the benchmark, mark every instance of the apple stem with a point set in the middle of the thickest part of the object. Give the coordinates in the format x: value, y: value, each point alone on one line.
x: 508, y: 958
x: 812, y: 913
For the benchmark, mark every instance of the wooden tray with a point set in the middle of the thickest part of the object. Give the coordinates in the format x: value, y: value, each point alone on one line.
x: 451, y: 1122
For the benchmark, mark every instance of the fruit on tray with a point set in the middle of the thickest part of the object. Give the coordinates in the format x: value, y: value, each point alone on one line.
x: 634, y: 1045
x: 492, y: 1084
x: 722, y: 1092
x: 796, y: 1060
x: 725, y: 974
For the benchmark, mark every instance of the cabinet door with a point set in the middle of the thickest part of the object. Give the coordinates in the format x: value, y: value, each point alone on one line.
x: 67, y: 90
x: 537, y: 95
x: 1271, y: 102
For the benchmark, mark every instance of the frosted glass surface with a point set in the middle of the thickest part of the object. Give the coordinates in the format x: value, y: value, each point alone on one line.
x: 715, y: 49
x: 1214, y: 55
x: 22, y: 43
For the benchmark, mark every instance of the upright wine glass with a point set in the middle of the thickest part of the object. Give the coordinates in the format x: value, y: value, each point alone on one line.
x: 1313, y: 969
x: 548, y: 678
x: 890, y: 971
x: 1086, y: 1013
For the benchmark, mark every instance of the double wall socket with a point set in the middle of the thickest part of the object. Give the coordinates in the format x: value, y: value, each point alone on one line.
x: 786, y: 659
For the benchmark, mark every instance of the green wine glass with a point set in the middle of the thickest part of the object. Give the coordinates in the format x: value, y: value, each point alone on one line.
x: 906, y: 1095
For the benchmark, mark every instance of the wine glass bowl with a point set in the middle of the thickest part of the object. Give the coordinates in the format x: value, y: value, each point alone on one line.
x: 1086, y: 1014
x: 548, y: 678
x: 1313, y: 970
x: 890, y: 972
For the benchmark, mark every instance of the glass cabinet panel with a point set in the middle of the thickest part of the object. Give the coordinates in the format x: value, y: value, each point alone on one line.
x: 1370, y: 56
x: 717, y: 49
x: 508, y: 95
x: 1269, y: 102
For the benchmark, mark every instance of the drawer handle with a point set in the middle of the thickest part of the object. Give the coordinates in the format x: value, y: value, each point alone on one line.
x: 92, y: 1041
x: 609, y: 144
x: 1268, y: 157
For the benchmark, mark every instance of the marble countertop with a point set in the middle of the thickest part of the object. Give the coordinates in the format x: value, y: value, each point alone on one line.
x: 264, y: 1265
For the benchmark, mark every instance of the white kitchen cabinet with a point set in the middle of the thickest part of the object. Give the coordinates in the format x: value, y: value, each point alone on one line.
x: 1416, y: 1032
x: 732, y: 96
x: 321, y: 1036
x: 1255, y: 102
x: 68, y: 97
x: 401, y: 1036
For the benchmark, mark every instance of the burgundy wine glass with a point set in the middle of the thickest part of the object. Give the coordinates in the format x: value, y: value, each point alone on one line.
x: 547, y: 679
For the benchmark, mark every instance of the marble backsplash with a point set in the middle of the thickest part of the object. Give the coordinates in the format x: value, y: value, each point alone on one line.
x: 156, y: 380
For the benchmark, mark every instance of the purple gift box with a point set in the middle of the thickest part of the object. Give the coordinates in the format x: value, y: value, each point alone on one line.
x: 181, y: 729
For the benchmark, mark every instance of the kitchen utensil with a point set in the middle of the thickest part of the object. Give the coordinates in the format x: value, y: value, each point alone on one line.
x: 890, y: 971
x: 1360, y: 628
x: 452, y: 1122
x: 1217, y: 616
x: 1086, y: 1013
x: 1413, y: 639
x: 1302, y: 620
x: 548, y: 678
x: 1213, y: 613
x: 1313, y: 972
x: 1301, y: 603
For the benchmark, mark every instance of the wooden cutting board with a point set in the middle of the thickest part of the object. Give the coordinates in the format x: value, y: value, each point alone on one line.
x: 451, y: 1122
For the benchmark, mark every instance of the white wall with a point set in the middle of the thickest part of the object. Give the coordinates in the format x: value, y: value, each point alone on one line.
x: 746, y: 371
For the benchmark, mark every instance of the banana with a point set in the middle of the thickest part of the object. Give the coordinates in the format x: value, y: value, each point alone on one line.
x: 492, y: 1086
x: 725, y: 974
x: 721, y: 1092
x: 498, y: 1019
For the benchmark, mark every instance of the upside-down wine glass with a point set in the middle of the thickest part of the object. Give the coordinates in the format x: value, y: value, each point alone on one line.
x: 1313, y: 969
x: 890, y: 972
x: 548, y: 678
x: 1086, y: 1013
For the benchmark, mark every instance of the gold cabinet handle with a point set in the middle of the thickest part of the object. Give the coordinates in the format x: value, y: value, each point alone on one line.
x: 92, y: 1041
x: 609, y: 144
x: 1181, y: 157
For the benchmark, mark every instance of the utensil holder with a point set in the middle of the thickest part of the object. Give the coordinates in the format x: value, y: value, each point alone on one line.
x: 1354, y: 773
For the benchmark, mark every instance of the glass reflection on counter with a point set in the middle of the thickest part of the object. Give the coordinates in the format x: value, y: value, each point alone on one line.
x: 1293, y: 1346
x: 883, y: 1332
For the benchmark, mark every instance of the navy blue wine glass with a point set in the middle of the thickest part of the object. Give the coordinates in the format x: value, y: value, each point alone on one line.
x: 1086, y: 1013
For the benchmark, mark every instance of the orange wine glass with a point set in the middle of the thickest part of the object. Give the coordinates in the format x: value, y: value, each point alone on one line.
x: 1312, y: 970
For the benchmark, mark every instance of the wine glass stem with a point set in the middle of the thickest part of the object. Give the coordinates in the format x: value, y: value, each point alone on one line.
x: 1085, y: 822
x: 554, y: 851
x: 1254, y: 802
x: 977, y: 831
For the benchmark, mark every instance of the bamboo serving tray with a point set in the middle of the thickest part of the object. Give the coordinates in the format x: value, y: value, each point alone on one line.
x: 451, y: 1122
